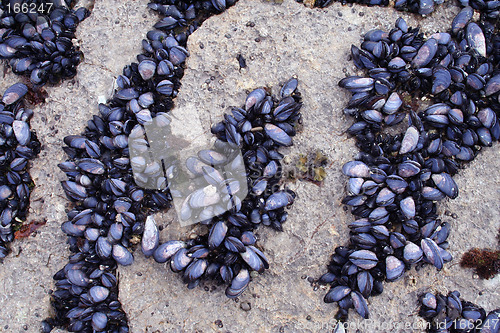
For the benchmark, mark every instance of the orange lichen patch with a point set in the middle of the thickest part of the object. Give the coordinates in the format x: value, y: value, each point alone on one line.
x: 28, y: 229
x: 485, y: 262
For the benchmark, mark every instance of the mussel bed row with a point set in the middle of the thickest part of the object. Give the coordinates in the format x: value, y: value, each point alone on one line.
x: 489, y: 9
x: 396, y: 180
x: 110, y: 209
x: 37, y: 39
x: 451, y: 314
x: 18, y: 145
x: 227, y: 253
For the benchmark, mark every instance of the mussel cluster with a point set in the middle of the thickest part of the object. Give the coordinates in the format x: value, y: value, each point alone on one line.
x: 489, y: 8
x: 37, y: 39
x: 422, y: 7
x: 451, y: 314
x: 396, y: 180
x: 18, y: 145
x: 228, y: 253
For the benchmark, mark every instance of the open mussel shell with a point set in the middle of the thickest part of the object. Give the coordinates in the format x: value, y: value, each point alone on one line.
x: 180, y: 260
x: 166, y: 250
x: 147, y: 69
x: 99, y: 321
x: 238, y: 284
x: 92, y: 166
x: 412, y: 253
x: 446, y: 184
x: 360, y: 304
x: 289, y: 87
x: 255, y: 98
x: 204, y: 197
x: 365, y: 283
x: 278, y: 200
x: 364, y: 259
x: 252, y: 259
x: 122, y: 255
x: 475, y: 38
x: 195, y: 270
x: 98, y: 294
x: 212, y: 157
x: 248, y: 238
x: 22, y: 132
x: 233, y: 244
x: 432, y: 252
x: 217, y: 234
x: 356, y: 169
x: 14, y: 93
x: 410, y: 140
x: 429, y: 300
x: 278, y: 135
x: 150, y: 237
x: 394, y: 268
x: 337, y: 293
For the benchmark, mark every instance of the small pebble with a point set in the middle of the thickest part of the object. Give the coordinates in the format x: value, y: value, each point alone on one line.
x: 245, y: 306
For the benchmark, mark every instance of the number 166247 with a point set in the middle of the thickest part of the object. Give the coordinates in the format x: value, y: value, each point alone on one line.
x: 29, y: 8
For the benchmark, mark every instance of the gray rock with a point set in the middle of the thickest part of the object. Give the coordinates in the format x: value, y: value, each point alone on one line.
x: 292, y: 40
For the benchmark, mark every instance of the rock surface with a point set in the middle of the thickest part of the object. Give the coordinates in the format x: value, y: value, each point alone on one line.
x: 277, y: 41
